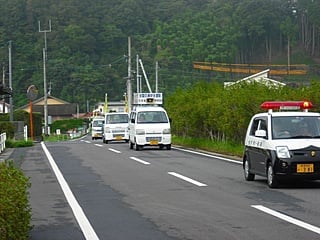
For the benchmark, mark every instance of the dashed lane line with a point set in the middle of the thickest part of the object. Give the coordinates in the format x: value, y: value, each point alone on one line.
x: 139, y: 160
x: 199, y: 184
x: 287, y: 218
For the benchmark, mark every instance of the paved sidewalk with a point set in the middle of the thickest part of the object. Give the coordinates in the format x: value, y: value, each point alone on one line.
x: 52, y: 218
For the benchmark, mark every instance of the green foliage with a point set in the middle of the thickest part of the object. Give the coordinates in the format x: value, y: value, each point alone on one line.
x: 11, y: 143
x: 8, y: 128
x: 15, y: 211
x: 67, y: 124
x: 209, y: 111
x: 88, y: 41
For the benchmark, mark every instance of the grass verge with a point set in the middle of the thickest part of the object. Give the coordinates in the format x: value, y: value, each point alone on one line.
x: 227, y: 148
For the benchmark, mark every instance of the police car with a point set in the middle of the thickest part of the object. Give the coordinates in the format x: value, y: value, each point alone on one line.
x: 283, y: 142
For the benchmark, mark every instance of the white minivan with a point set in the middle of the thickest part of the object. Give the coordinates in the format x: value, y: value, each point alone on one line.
x: 97, y: 127
x: 149, y: 126
x: 116, y: 127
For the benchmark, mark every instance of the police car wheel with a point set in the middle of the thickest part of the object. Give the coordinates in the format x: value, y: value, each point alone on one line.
x: 271, y: 178
x: 247, y: 175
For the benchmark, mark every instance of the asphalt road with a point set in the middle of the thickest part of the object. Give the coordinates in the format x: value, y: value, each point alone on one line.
x: 112, y: 192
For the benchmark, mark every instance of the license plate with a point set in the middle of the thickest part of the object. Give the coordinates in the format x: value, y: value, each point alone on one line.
x: 305, y: 168
x: 153, y: 142
x: 118, y: 137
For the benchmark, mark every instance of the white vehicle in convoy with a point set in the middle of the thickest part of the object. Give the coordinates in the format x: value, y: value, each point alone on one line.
x: 97, y: 127
x: 116, y: 127
x: 283, y: 144
x: 149, y: 125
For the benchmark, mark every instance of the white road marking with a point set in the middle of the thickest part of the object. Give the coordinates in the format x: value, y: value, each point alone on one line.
x: 87, y: 141
x: 287, y: 218
x: 98, y: 145
x: 114, y: 150
x: 209, y: 155
x: 139, y: 160
x: 84, y: 223
x: 187, y: 179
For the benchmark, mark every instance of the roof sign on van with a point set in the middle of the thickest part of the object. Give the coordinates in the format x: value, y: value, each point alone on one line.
x: 147, y: 98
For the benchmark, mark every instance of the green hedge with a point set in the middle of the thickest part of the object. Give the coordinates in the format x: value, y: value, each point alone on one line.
x: 210, y: 111
x: 15, y: 212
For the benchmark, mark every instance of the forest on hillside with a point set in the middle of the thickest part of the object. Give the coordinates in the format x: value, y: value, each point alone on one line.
x: 87, y: 47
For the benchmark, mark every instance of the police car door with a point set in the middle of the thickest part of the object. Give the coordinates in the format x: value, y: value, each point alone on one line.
x: 257, y: 154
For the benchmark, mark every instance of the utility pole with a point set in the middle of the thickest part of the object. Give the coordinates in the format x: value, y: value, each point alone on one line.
x: 129, y: 87
x: 10, y: 82
x: 45, y: 91
x: 157, y: 67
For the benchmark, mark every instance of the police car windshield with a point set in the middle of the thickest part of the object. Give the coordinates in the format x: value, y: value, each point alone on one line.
x: 290, y: 127
x: 152, y: 117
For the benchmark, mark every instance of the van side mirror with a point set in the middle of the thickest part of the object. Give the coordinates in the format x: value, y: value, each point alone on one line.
x: 132, y: 120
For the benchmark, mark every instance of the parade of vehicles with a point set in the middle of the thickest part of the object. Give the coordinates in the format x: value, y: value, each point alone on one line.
x: 149, y: 124
x: 115, y: 127
x: 97, y: 127
x: 283, y: 143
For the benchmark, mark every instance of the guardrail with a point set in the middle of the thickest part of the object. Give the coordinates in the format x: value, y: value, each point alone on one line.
x: 3, y: 138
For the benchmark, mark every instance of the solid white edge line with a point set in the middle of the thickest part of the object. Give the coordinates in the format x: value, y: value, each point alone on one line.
x: 208, y: 155
x: 114, y: 150
x: 139, y: 160
x: 287, y: 218
x: 187, y: 179
x: 81, y: 218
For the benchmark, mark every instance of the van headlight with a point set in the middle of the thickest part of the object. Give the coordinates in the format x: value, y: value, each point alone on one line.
x: 166, y: 131
x: 140, y: 131
x: 282, y: 152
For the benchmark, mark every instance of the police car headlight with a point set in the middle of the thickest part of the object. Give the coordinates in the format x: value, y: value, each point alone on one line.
x: 107, y: 130
x: 140, y: 132
x: 166, y: 131
x: 282, y: 152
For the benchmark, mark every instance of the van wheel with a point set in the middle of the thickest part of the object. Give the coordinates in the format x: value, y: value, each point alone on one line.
x: 168, y: 147
x: 106, y: 141
x: 137, y: 147
x: 246, y: 171
x: 130, y: 145
x: 271, y: 177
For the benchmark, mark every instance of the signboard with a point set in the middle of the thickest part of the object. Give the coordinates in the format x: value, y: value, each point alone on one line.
x: 32, y: 92
x: 147, y: 98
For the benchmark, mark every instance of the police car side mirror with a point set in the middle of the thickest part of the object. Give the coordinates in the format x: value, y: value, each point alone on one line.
x: 260, y: 133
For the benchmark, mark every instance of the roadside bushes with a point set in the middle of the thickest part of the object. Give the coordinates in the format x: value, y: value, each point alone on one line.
x: 211, y: 111
x: 15, y: 212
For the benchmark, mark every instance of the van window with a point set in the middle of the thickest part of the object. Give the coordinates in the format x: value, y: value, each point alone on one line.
x: 152, y: 117
x: 97, y: 123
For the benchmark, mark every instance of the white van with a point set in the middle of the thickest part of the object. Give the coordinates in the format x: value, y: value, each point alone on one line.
x: 116, y: 127
x: 149, y: 126
x: 97, y: 127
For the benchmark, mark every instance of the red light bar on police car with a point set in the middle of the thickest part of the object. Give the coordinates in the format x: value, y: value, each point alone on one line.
x: 287, y: 105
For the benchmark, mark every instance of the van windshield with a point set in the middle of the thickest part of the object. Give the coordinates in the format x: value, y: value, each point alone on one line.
x: 117, y: 118
x: 152, y: 117
x: 97, y: 123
